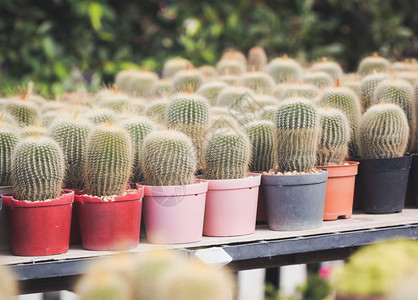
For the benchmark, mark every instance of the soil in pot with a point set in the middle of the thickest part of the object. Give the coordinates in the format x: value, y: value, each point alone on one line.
x: 231, y: 206
x: 295, y: 202
x: 39, y: 228
x: 110, y: 223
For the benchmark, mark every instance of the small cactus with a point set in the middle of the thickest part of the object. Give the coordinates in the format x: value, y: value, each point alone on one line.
x: 383, y: 132
x: 334, y: 137
x: 23, y: 110
x: 319, y: 79
x: 208, y: 72
x: 227, y: 155
x: 267, y: 113
x: 259, y: 82
x: 8, y: 141
x: 38, y: 169
x: 367, y: 87
x: 224, y: 122
x: 330, y: 67
x: 33, y: 130
x: 172, y: 66
x: 353, y: 83
x: 137, y: 83
x: 233, y: 54
x: 168, y: 158
x: 279, y: 89
x: 284, y: 69
x: 163, y: 88
x: 105, y: 285
x: 108, y: 163
x: 374, y: 63
x: 235, y: 97
x: 298, y: 130
x: 257, y: 58
x: 308, y: 91
x: 185, y: 80
x: 211, y: 90
x: 101, y: 115
x: 156, y: 111
x: 229, y: 79
x: 263, y: 139
x: 230, y: 67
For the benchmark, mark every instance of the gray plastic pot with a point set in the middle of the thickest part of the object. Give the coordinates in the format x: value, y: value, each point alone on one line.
x: 294, y: 202
x: 4, y: 228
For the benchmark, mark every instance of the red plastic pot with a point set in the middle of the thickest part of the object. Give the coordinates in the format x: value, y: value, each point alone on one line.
x: 39, y: 228
x: 110, y: 225
x: 75, y: 234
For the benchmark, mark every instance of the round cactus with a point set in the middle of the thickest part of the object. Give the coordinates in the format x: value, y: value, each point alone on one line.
x: 156, y: 111
x: 105, y: 285
x: 117, y: 102
x: 319, y: 79
x: 208, y: 72
x: 233, y: 54
x: 22, y: 110
x: 334, y: 137
x: 263, y: 139
x: 308, y: 91
x: 224, y: 122
x: 284, y: 69
x: 211, y: 90
x: 33, y: 130
x: 8, y: 141
x: 137, y: 83
x: 353, y: 82
x: 367, y: 87
x: 229, y: 79
x: 411, y: 77
x: 374, y: 63
x: 38, y: 169
x: 330, y: 67
x: 168, y: 158
x: 279, y: 89
x: 108, y: 161
x: 383, y: 132
x: 71, y: 134
x: 235, y: 97
x: 163, y: 88
x: 101, y: 115
x: 138, y: 128
x: 6, y: 120
x: 267, y: 113
x: 399, y: 92
x: 259, y: 82
x: 259, y: 102
x: 137, y: 106
x: 172, y: 66
x: 298, y: 130
x: 186, y: 80
x: 230, y: 67
x: 257, y: 58
x: 346, y: 100
x: 227, y: 155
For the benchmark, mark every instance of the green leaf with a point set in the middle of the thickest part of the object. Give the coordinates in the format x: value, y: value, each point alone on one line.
x: 49, y: 47
x: 96, y: 13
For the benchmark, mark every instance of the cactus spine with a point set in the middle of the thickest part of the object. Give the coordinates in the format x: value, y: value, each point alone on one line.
x: 211, y: 90
x: 334, y: 137
x: 8, y: 141
x: 319, y: 79
x: 297, y: 124
x: 383, y: 132
x: 374, y: 63
x: 172, y: 66
x: 156, y: 111
x: 187, y: 79
x: 24, y: 111
x: 284, y: 69
x: 236, y: 97
x: 168, y: 158
x: 38, y: 169
x: 263, y: 139
x: 330, y: 67
x: 227, y: 155
x: 108, y: 160
x: 259, y: 82
x: 308, y: 91
x: 367, y: 87
x: 137, y: 83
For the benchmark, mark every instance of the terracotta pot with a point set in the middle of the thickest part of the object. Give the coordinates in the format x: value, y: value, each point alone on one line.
x: 339, y: 191
x: 174, y: 214
x: 4, y: 227
x: 110, y: 225
x: 39, y: 228
x: 231, y: 206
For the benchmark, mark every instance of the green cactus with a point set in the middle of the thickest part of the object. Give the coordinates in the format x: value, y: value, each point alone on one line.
x: 23, y: 110
x: 156, y: 111
x: 168, y: 158
x: 308, y: 91
x: 353, y: 82
x: 235, y: 97
x: 186, y: 80
x: 383, y: 132
x: 263, y: 139
x: 163, y: 88
x: 101, y: 115
x: 411, y: 76
x: 399, y: 92
x: 224, y: 122
x: 374, y: 63
x: 173, y: 65
x: 117, y: 102
x: 259, y: 82
x: 230, y: 67
x: 227, y: 155
x: 279, y: 89
x: 367, y: 87
x: 259, y: 102
x: 233, y: 54
x: 8, y: 141
x: 284, y: 69
x: 297, y: 124
x: 6, y: 120
x: 137, y: 106
x: 346, y: 100
x: 257, y: 58
x: 330, y: 67
x: 38, y: 169
x: 33, y: 130
x: 229, y: 79
x: 49, y: 117
x: 108, y: 161
x: 319, y: 79
x: 334, y: 137
x: 72, y: 134
x: 208, y: 72
x: 103, y: 286
x: 136, y: 83
x: 267, y: 113
x: 138, y: 128
x: 211, y: 90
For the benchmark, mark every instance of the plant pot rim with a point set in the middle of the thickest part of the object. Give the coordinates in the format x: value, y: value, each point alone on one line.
x: 382, y: 165
x: 349, y: 168
x: 199, y: 186
x: 67, y: 197
x: 359, y: 159
x: 349, y: 163
x: 126, y: 197
x: 251, y: 180
x: 299, y: 179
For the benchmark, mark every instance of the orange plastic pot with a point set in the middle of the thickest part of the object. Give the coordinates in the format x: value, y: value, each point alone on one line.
x: 339, y: 193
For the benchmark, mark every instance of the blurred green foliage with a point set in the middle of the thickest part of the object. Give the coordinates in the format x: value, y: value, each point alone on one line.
x: 76, y: 44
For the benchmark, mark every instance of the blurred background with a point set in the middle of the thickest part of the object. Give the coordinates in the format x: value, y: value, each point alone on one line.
x: 64, y: 45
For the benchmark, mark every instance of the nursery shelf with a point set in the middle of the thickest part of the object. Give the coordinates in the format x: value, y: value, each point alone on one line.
x: 265, y: 248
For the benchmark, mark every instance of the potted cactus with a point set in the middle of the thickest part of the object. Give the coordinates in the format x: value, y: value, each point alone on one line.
x: 384, y: 167
x: 332, y: 151
x: 174, y: 201
x: 295, y: 192
x: 110, y: 213
x: 231, y: 187
x: 39, y: 211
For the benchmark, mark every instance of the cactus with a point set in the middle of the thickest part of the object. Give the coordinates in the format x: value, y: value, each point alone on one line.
x: 319, y: 79
x: 72, y: 134
x: 53, y: 106
x: 279, y: 89
x: 24, y: 111
x: 334, y: 137
x: 298, y: 130
x: 8, y: 141
x: 137, y: 83
x: 367, y: 87
x: 259, y: 102
x: 224, y: 122
x: 208, y: 72
x: 103, y: 286
x: 187, y: 79
x: 346, y: 100
x: 233, y: 54
x: 117, y: 102
x: 308, y: 91
x: 33, y: 130
x: 6, y: 120
x: 259, y: 82
x: 227, y: 155
x: 284, y: 69
x: 235, y: 97
x: 229, y: 79
x: 230, y: 67
x: 383, y: 132
x: 156, y: 111
x: 267, y: 113
x: 374, y: 63
x: 411, y: 77
x: 168, y: 158
x: 138, y: 128
x: 37, y: 169
x: 163, y: 88
x: 137, y: 106
x: 108, y: 161
x: 405, y: 66
x: 211, y: 90
x: 101, y: 115
x: 172, y: 66
x: 257, y: 58
x: 399, y: 92
x: 330, y: 67
x: 353, y: 83
x: 263, y: 139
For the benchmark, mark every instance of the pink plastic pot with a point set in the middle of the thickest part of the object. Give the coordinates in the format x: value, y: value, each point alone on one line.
x: 110, y: 225
x: 231, y: 206
x: 39, y: 228
x: 174, y: 214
